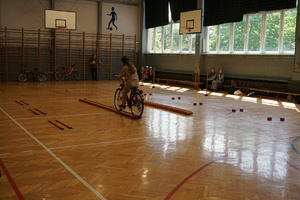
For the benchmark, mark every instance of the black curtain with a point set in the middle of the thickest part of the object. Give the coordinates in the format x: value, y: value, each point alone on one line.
x: 156, y: 13
x: 178, y: 6
x: 219, y: 12
x: 226, y: 11
x: 254, y: 6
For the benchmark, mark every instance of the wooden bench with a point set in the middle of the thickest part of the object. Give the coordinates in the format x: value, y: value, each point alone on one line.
x: 169, y: 81
x: 262, y: 90
x: 192, y: 78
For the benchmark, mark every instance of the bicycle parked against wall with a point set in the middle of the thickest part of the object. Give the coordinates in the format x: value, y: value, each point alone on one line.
x: 135, y: 101
x: 35, y: 74
x: 72, y: 71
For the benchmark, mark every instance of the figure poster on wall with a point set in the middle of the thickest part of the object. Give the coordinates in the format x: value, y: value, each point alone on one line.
x: 114, y: 17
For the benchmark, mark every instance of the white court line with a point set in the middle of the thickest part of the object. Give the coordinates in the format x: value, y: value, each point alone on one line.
x: 2, y: 154
x: 57, y: 158
x: 43, y: 116
x: 79, y: 145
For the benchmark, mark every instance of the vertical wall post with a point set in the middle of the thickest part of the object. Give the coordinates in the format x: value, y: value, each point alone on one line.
x: 135, y: 60
x: 110, y: 56
x: 54, y: 49
x: 6, y: 55
x: 296, y: 71
x: 69, y: 48
x: 123, y: 44
x: 97, y: 55
x: 83, y: 54
x: 39, y: 49
x: 23, y: 49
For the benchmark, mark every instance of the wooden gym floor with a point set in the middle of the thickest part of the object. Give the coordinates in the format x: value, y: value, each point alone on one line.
x: 214, y: 154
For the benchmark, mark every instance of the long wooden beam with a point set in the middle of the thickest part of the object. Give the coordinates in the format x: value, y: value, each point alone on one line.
x: 111, y: 108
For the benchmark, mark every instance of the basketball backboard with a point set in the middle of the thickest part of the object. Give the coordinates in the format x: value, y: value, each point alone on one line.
x: 58, y: 19
x: 190, y: 22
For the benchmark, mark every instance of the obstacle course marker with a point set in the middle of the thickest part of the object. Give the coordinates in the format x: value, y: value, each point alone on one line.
x: 170, y: 108
x: 59, y: 127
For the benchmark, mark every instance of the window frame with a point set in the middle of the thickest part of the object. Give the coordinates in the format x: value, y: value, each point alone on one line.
x: 263, y: 35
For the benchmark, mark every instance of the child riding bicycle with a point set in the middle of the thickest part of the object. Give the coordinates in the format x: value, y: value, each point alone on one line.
x: 129, y: 73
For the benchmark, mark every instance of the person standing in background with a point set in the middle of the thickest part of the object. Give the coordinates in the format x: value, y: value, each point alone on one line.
x: 94, y: 62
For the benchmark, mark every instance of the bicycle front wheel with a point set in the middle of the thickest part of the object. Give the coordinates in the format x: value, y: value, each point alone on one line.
x: 76, y: 75
x: 137, y: 105
x: 60, y: 75
x: 118, y: 99
x: 22, y: 78
x: 42, y: 77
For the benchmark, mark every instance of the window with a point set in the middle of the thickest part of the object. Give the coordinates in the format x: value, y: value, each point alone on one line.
x: 261, y: 33
x: 254, y: 33
x: 158, y: 39
x: 289, y: 30
x: 212, y: 38
x: 272, y: 32
x: 224, y: 37
x: 168, y: 40
x: 239, y: 36
x: 175, y: 38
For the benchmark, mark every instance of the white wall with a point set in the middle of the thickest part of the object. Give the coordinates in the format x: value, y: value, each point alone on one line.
x: 29, y: 14
x: 87, y: 14
x: 19, y: 14
x: 127, y: 19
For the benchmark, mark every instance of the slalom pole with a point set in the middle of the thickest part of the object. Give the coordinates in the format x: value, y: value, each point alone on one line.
x: 206, y: 84
x: 153, y: 77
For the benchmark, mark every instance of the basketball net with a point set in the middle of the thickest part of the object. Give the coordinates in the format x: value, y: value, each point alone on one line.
x: 62, y: 28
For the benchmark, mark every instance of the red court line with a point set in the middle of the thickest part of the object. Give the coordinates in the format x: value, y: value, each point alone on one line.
x: 208, y: 164
x: 190, y: 176
x: 293, y: 166
x: 11, y: 181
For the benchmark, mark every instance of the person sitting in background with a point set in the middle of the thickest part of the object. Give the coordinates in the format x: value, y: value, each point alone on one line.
x: 212, y: 76
x: 218, y: 82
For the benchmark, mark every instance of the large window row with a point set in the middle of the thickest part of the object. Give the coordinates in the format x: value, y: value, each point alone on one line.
x: 260, y: 33
x: 166, y: 39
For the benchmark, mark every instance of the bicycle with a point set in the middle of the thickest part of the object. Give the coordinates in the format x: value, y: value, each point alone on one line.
x: 62, y: 74
x: 135, y: 100
x: 35, y: 74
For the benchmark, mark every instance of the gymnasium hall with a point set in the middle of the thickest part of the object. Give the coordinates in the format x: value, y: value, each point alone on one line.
x: 212, y: 112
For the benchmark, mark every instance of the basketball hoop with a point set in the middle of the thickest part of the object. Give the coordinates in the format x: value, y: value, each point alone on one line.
x: 62, y: 27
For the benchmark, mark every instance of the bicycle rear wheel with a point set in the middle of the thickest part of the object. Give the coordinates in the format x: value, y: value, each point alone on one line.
x: 22, y: 77
x: 42, y: 77
x: 137, y: 105
x: 76, y: 75
x: 60, y: 75
x: 118, y: 99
